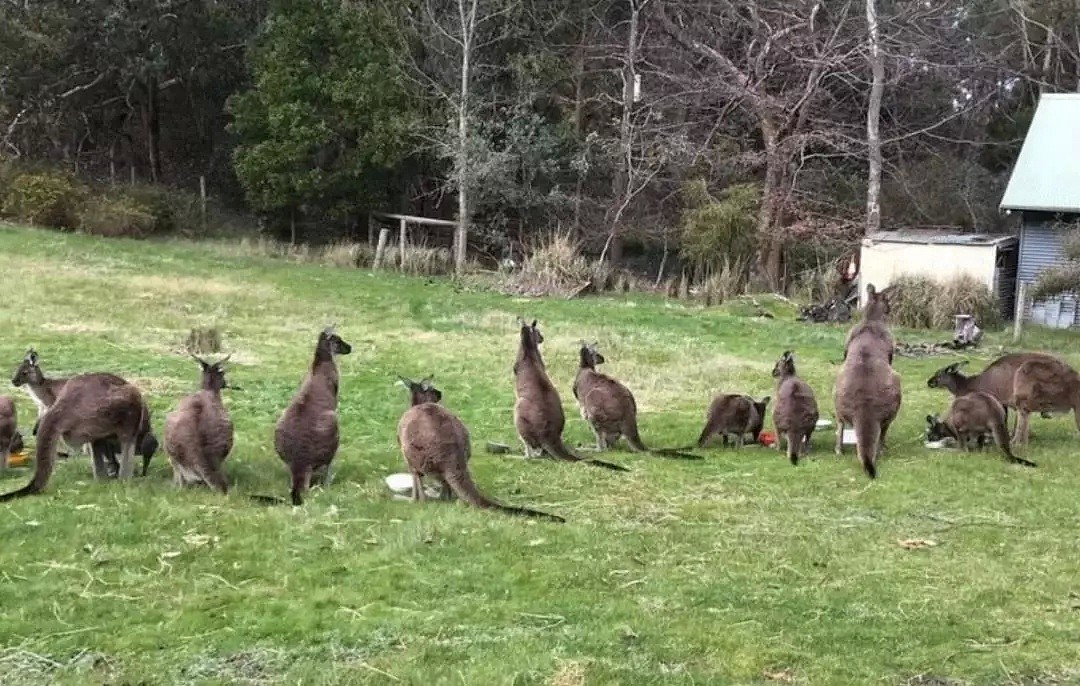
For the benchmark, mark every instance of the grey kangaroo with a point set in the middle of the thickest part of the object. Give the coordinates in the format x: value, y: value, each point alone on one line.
x: 199, y: 433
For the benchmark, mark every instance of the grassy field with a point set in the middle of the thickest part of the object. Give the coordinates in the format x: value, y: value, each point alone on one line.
x: 737, y: 570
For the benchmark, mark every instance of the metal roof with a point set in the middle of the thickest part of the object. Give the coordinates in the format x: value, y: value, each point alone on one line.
x: 939, y: 237
x: 1046, y: 176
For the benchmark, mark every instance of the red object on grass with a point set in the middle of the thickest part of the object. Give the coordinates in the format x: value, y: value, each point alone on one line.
x: 766, y: 438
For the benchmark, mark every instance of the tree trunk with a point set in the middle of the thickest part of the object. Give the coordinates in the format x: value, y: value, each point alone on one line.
x: 873, y: 121
x: 579, y: 119
x: 461, y: 233
x: 624, y: 178
x: 153, y: 129
x: 769, y: 257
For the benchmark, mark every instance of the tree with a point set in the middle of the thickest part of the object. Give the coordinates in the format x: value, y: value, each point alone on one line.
x: 873, y: 120
x: 328, y: 117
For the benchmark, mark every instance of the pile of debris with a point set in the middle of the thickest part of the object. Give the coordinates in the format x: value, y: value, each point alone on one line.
x: 835, y: 310
x: 966, y: 334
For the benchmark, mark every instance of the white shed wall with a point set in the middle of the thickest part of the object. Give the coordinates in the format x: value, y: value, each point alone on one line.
x: 881, y: 262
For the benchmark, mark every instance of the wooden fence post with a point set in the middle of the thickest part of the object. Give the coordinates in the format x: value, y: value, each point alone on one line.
x: 384, y: 236
x: 202, y: 199
x: 370, y: 229
x: 1018, y: 316
x: 401, y: 244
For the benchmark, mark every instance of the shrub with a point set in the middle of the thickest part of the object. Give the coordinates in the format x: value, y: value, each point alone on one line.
x: 557, y: 267
x: 44, y: 198
x: 174, y: 211
x: 347, y: 254
x: 714, y: 230
x: 116, y: 216
x: 424, y: 261
x: 919, y: 302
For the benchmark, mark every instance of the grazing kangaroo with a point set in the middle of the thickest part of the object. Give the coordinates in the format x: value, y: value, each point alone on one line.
x: 733, y: 416
x: 8, y: 430
x: 199, y: 433
x: 795, y: 413
x: 1044, y: 384
x: 306, y: 434
x: 538, y: 411
x: 609, y: 407
x: 998, y: 379
x: 43, y: 391
x: 971, y: 416
x: 435, y: 443
x: 867, y: 394
x: 89, y: 408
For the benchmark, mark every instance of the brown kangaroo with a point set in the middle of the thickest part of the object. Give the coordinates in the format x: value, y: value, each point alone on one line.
x: 998, y: 379
x: 609, y: 407
x: 867, y: 394
x: 1044, y: 384
x: 970, y: 416
x: 199, y: 433
x: 89, y: 408
x: 733, y: 416
x: 306, y: 434
x: 43, y: 391
x: 435, y: 443
x: 8, y: 430
x: 538, y: 411
x: 795, y: 413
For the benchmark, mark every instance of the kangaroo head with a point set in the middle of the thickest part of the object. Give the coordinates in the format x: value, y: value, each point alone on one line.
x: 761, y: 405
x: 213, y: 374
x: 422, y: 391
x: 877, y: 302
x: 946, y: 377
x: 785, y: 366
x: 936, y: 429
x: 530, y: 333
x: 28, y: 371
x: 590, y: 356
x: 332, y: 344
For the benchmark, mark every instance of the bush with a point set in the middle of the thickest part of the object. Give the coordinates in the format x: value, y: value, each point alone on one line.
x: 174, y: 211
x: 557, y: 267
x: 919, y: 302
x: 116, y: 216
x: 715, y: 230
x: 424, y: 261
x: 347, y: 254
x: 45, y: 198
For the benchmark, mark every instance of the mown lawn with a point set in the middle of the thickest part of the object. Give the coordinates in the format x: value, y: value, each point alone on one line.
x: 737, y: 570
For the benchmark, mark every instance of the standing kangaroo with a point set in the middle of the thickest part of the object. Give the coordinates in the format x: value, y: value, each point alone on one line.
x: 435, y: 443
x: 8, y: 430
x: 43, y: 391
x: 795, y: 413
x: 609, y: 407
x: 306, y: 435
x: 538, y: 411
x: 199, y: 433
x: 89, y: 408
x: 867, y: 394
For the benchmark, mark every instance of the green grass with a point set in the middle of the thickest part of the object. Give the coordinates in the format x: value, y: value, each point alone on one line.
x: 723, y: 572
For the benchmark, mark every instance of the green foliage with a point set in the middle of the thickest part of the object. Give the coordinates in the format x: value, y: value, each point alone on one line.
x: 330, y: 113
x: 173, y: 210
x: 718, y: 229
x: 919, y: 302
x: 44, y: 198
x: 116, y: 215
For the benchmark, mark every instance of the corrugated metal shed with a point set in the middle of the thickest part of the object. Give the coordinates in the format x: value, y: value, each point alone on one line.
x: 1046, y: 177
x: 939, y: 237
x: 1040, y: 247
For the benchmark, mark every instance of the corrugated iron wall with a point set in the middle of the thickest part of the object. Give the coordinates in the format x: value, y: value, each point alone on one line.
x: 1041, y: 247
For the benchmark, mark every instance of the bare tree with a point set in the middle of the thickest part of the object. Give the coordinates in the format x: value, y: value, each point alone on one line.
x: 873, y: 120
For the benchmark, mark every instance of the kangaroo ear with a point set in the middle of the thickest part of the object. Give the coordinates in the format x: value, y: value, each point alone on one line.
x: 31, y: 356
x: 765, y: 400
x: 403, y: 382
x: 870, y: 290
x: 522, y: 322
x: 931, y: 419
x: 533, y: 325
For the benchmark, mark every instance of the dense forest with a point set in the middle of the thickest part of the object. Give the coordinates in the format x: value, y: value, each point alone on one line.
x: 766, y: 134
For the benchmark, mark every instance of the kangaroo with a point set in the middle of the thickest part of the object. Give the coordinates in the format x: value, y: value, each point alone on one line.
x: 609, y: 407
x: 538, y: 411
x: 997, y: 379
x: 971, y: 416
x: 435, y: 443
x: 1044, y: 384
x: 733, y: 416
x: 90, y: 407
x: 306, y: 434
x: 867, y: 393
x: 795, y: 413
x: 43, y: 391
x: 199, y: 433
x: 8, y: 430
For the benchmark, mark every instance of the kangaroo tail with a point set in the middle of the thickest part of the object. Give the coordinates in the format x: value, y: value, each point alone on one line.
x: 633, y: 439
x: 465, y: 488
x: 867, y: 434
x: 794, y: 445
x: 1001, y: 437
x: 559, y: 451
x: 44, y: 458
x: 709, y: 430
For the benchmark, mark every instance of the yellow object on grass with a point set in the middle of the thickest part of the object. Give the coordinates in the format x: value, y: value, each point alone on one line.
x: 17, y: 460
